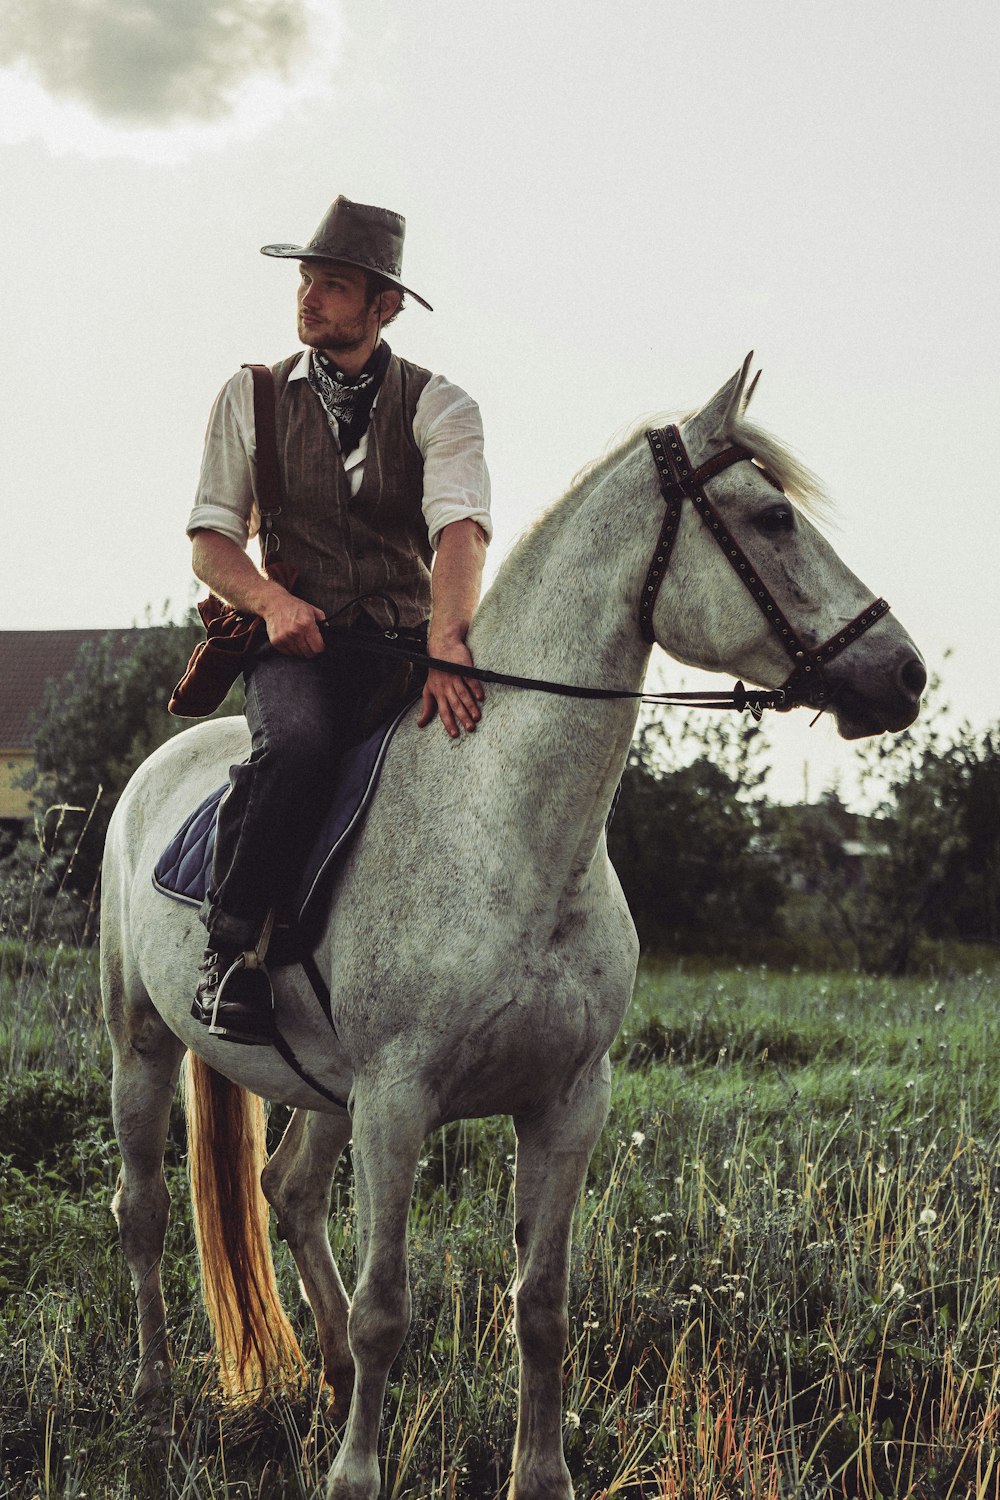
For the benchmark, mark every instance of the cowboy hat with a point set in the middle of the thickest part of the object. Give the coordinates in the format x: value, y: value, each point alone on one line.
x: 360, y: 235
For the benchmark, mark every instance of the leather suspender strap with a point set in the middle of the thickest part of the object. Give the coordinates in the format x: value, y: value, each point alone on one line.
x: 266, y: 444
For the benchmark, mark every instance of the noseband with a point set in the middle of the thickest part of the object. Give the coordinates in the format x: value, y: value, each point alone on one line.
x: 807, y: 684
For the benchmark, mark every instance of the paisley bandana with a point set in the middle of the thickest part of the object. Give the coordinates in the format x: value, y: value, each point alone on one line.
x: 348, y: 399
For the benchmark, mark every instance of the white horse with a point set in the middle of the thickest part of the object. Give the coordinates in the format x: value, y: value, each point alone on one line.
x: 478, y: 948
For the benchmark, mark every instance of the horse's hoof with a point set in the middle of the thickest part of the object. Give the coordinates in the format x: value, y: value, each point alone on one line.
x: 164, y: 1418
x: 362, y: 1485
x: 539, y: 1486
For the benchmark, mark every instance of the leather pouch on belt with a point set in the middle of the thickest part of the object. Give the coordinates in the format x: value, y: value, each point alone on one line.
x: 231, y: 639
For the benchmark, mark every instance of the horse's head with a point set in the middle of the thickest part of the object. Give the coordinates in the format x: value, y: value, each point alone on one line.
x: 777, y: 599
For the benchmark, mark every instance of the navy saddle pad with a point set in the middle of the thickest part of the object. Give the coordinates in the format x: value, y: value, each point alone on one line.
x: 184, y: 867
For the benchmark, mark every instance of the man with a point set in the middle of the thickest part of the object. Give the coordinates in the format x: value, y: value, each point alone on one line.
x: 382, y: 472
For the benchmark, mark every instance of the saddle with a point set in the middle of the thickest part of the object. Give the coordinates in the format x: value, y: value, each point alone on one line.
x: 183, y: 869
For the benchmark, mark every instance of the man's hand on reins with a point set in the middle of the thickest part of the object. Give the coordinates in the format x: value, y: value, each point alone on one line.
x: 455, y: 699
x: 292, y: 624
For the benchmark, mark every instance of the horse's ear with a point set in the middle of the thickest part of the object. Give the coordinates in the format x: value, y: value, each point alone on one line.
x: 709, y: 428
x: 748, y: 395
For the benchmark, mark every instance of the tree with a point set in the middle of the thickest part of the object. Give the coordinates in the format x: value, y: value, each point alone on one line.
x: 967, y: 905
x: 685, y: 838
x: 95, y: 728
x: 931, y: 865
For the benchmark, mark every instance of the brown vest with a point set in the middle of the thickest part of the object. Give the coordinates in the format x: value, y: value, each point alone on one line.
x: 345, y: 545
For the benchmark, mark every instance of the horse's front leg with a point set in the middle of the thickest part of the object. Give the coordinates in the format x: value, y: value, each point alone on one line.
x: 296, y: 1183
x: 554, y: 1148
x: 388, y: 1130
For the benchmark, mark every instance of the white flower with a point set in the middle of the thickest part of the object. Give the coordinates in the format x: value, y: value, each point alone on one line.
x: 638, y: 1137
x: 897, y: 1289
x: 572, y: 1419
x: 928, y: 1216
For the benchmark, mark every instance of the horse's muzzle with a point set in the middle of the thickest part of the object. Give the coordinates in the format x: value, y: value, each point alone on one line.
x: 881, y: 702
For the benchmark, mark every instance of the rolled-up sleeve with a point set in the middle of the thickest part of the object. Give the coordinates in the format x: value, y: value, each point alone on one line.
x: 226, y: 487
x: 448, y: 430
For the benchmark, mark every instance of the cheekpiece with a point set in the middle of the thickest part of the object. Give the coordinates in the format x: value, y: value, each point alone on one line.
x: 360, y: 235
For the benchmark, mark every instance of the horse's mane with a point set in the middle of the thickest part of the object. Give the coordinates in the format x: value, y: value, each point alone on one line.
x: 800, y: 484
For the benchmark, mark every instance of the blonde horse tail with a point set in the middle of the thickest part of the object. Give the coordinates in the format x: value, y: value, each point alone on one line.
x: 256, y: 1345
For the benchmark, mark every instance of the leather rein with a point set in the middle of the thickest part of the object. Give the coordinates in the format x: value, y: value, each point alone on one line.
x: 806, y: 685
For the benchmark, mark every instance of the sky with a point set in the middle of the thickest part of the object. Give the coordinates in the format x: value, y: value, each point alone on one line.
x: 608, y: 207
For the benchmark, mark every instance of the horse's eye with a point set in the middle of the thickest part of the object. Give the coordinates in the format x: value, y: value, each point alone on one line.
x: 776, y: 518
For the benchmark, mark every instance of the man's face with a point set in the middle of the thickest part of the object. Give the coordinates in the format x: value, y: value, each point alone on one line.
x: 333, y: 309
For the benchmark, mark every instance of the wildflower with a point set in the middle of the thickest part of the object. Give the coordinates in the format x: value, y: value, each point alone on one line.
x: 572, y: 1419
x: 928, y: 1216
x: 721, y: 1210
x: 696, y: 1290
x: 638, y: 1137
x: 897, y: 1289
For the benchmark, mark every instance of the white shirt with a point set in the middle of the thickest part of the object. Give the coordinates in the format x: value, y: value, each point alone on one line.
x: 447, y: 428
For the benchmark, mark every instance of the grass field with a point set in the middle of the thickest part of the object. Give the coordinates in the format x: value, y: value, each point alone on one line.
x: 784, y: 1283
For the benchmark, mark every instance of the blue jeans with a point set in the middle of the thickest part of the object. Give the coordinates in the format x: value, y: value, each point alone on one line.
x: 303, y: 712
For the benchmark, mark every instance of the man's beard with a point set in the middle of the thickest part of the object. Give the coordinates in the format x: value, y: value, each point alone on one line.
x: 335, y: 338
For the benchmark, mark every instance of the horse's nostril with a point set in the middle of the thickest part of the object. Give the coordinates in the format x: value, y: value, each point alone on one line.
x: 913, y: 676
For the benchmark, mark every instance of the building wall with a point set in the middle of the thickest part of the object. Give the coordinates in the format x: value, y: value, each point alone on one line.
x: 14, y: 800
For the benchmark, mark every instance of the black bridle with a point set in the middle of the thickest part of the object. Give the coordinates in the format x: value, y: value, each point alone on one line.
x: 807, y: 684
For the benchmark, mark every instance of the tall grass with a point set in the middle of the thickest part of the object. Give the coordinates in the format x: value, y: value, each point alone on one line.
x: 784, y: 1277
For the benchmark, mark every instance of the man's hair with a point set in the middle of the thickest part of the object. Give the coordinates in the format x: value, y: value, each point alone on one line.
x: 375, y: 284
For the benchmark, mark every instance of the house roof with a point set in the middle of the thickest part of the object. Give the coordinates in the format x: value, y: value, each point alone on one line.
x: 28, y: 660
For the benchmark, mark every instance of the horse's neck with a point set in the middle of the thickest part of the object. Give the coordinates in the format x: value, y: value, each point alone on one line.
x: 558, y: 605
x: 560, y: 609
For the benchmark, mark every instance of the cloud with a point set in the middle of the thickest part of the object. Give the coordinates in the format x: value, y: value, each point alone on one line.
x: 153, y: 63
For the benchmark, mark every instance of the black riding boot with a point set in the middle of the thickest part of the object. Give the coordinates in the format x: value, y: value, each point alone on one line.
x: 234, y: 999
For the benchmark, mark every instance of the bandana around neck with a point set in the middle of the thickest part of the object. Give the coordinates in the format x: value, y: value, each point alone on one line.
x: 348, y: 399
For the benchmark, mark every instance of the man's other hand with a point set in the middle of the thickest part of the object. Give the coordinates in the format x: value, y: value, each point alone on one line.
x: 454, y: 699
